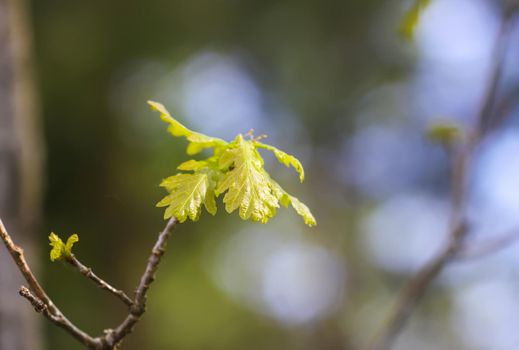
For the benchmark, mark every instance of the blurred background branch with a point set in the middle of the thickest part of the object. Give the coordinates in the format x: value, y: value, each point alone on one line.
x: 416, y: 288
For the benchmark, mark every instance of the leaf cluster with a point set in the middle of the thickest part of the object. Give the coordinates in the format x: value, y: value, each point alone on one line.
x: 235, y: 170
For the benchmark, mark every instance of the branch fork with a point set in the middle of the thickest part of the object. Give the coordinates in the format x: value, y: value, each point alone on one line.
x: 111, y: 338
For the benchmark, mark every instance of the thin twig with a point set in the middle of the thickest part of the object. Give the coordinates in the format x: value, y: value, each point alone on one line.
x: 39, y: 294
x: 39, y: 306
x: 412, y: 294
x: 486, y: 112
x: 42, y: 303
x: 419, y: 284
x: 19, y: 258
x: 59, y: 320
x: 114, y: 337
x: 483, y: 248
x: 88, y: 273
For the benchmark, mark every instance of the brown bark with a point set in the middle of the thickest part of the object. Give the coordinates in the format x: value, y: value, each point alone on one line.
x: 20, y: 171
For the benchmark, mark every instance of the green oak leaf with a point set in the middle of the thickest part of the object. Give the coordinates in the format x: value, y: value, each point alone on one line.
x: 197, y: 141
x: 193, y: 165
x: 286, y: 199
x: 187, y: 193
x: 303, y: 210
x: 246, y: 184
x: 284, y: 158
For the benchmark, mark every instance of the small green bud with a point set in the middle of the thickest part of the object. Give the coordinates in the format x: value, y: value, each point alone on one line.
x: 60, y: 250
x: 446, y: 132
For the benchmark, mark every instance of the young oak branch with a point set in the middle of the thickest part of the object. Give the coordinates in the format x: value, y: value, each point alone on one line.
x: 112, y: 338
x: 235, y: 170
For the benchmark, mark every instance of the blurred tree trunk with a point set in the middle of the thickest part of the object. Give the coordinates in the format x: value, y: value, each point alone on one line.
x: 20, y: 172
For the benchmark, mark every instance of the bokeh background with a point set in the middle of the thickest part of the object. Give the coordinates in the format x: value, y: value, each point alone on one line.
x: 331, y: 82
